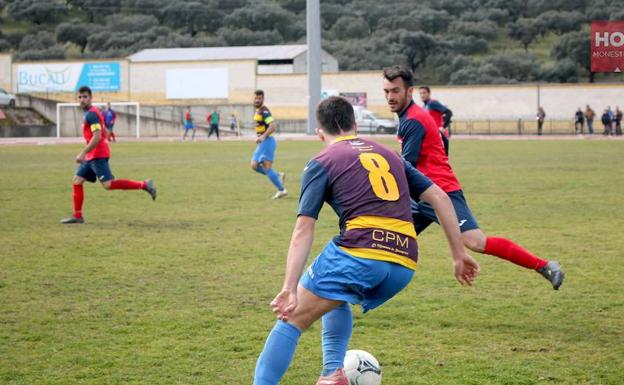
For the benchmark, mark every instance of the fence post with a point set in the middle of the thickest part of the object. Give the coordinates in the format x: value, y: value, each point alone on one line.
x: 519, y: 126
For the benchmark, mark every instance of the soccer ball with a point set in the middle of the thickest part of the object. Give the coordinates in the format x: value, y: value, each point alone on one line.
x: 362, y: 368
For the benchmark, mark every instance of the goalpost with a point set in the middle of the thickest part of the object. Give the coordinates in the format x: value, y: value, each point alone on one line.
x: 64, y: 113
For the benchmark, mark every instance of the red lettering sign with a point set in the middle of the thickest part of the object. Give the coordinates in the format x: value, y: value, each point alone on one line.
x: 607, y: 46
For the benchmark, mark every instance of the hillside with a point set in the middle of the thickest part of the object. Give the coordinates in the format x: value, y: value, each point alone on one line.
x: 443, y: 41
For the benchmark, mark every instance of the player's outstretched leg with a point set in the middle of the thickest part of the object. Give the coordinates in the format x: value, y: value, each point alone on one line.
x: 126, y: 184
x: 507, y: 249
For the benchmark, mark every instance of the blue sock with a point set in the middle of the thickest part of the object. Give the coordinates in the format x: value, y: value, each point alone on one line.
x: 260, y: 170
x: 337, y: 326
x: 279, y: 350
x: 274, y: 178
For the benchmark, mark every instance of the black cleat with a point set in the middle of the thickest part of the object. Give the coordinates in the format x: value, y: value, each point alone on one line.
x: 151, y: 190
x: 72, y: 220
x: 553, y: 273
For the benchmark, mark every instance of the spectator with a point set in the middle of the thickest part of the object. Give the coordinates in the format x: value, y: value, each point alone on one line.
x: 541, y: 115
x: 233, y: 123
x: 589, y: 116
x: 606, y: 121
x: 618, y: 121
x: 187, y: 122
x: 110, y: 118
x: 579, y: 121
x: 214, y: 123
x: 612, y: 119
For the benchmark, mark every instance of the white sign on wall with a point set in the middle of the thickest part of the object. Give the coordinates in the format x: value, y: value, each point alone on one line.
x: 197, y: 83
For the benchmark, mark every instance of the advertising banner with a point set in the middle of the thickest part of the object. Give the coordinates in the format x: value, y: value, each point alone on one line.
x: 68, y: 77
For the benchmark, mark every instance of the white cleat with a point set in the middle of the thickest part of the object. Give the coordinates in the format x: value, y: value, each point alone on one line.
x: 280, y: 194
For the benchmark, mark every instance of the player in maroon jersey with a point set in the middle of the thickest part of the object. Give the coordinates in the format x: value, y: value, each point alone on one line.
x: 372, y: 259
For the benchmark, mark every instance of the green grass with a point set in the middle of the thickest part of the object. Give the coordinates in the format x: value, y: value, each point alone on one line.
x: 176, y: 291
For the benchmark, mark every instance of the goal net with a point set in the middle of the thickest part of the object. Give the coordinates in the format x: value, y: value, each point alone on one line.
x: 69, y: 118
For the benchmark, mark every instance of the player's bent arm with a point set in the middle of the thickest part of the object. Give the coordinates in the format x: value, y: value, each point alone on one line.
x: 300, y: 244
x: 298, y: 251
x: 97, y: 137
x: 270, y: 130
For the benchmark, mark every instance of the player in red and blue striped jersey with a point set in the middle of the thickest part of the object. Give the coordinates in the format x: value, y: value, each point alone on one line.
x: 369, y: 187
x: 93, y: 159
x: 422, y: 146
x: 440, y: 113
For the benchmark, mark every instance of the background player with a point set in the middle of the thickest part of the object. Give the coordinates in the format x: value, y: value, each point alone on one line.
x: 439, y: 112
x: 110, y: 118
x: 93, y: 159
x: 263, y: 157
x: 368, y: 186
x: 421, y: 146
x: 187, y: 122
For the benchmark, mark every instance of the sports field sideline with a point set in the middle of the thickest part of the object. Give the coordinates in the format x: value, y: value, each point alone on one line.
x: 176, y: 291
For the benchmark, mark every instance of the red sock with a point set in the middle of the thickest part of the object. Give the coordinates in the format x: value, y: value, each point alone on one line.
x: 514, y: 253
x: 126, y: 184
x: 78, y: 199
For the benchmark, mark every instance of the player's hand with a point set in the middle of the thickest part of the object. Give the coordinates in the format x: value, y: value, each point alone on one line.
x: 284, y: 303
x: 80, y: 158
x: 260, y: 139
x: 466, y: 269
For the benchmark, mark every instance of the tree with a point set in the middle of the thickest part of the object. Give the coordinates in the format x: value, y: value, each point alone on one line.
x: 523, y: 30
x: 559, y: 22
x: 73, y: 32
x: 93, y: 8
x: 35, y: 11
x: 349, y: 27
x: 485, y: 29
x: 192, y: 16
x: 468, y: 45
x: 416, y: 46
x: 576, y: 47
x: 430, y: 20
x: 244, y: 36
x: 565, y: 71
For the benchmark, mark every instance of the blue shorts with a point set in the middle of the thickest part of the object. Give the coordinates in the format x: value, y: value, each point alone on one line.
x: 95, y: 169
x: 423, y: 214
x: 188, y: 126
x: 265, y: 150
x: 109, y: 127
x: 338, y: 275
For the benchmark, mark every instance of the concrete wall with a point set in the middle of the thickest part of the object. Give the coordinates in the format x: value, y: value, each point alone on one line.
x: 5, y: 71
x: 328, y: 63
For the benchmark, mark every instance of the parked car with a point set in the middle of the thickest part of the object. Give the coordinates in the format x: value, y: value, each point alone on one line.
x: 6, y: 99
x: 367, y: 122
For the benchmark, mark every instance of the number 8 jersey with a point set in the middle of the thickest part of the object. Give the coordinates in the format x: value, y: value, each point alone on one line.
x: 368, y: 186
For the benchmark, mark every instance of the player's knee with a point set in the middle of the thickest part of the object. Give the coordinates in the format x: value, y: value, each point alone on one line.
x: 475, y: 241
x: 254, y: 166
x: 77, y: 180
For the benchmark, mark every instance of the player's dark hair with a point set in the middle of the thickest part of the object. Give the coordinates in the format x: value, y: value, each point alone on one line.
x: 425, y: 88
x: 397, y: 71
x: 85, y: 89
x: 259, y: 93
x: 335, y: 115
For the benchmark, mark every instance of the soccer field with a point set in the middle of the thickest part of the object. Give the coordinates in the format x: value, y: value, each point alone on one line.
x: 176, y: 291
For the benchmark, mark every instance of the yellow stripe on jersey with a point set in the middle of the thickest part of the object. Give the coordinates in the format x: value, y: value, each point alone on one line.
x: 95, y: 127
x: 346, y: 137
x: 269, y: 120
x: 380, y: 255
x: 385, y: 223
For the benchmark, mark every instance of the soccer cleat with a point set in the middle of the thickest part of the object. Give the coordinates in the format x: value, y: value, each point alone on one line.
x: 282, y: 177
x: 336, y: 378
x: 280, y: 194
x: 151, y: 190
x: 552, y: 272
x: 72, y: 220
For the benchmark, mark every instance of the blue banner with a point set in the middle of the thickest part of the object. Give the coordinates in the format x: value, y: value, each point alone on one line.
x: 100, y: 76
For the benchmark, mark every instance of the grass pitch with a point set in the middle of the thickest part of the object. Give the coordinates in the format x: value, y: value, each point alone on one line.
x: 176, y: 291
